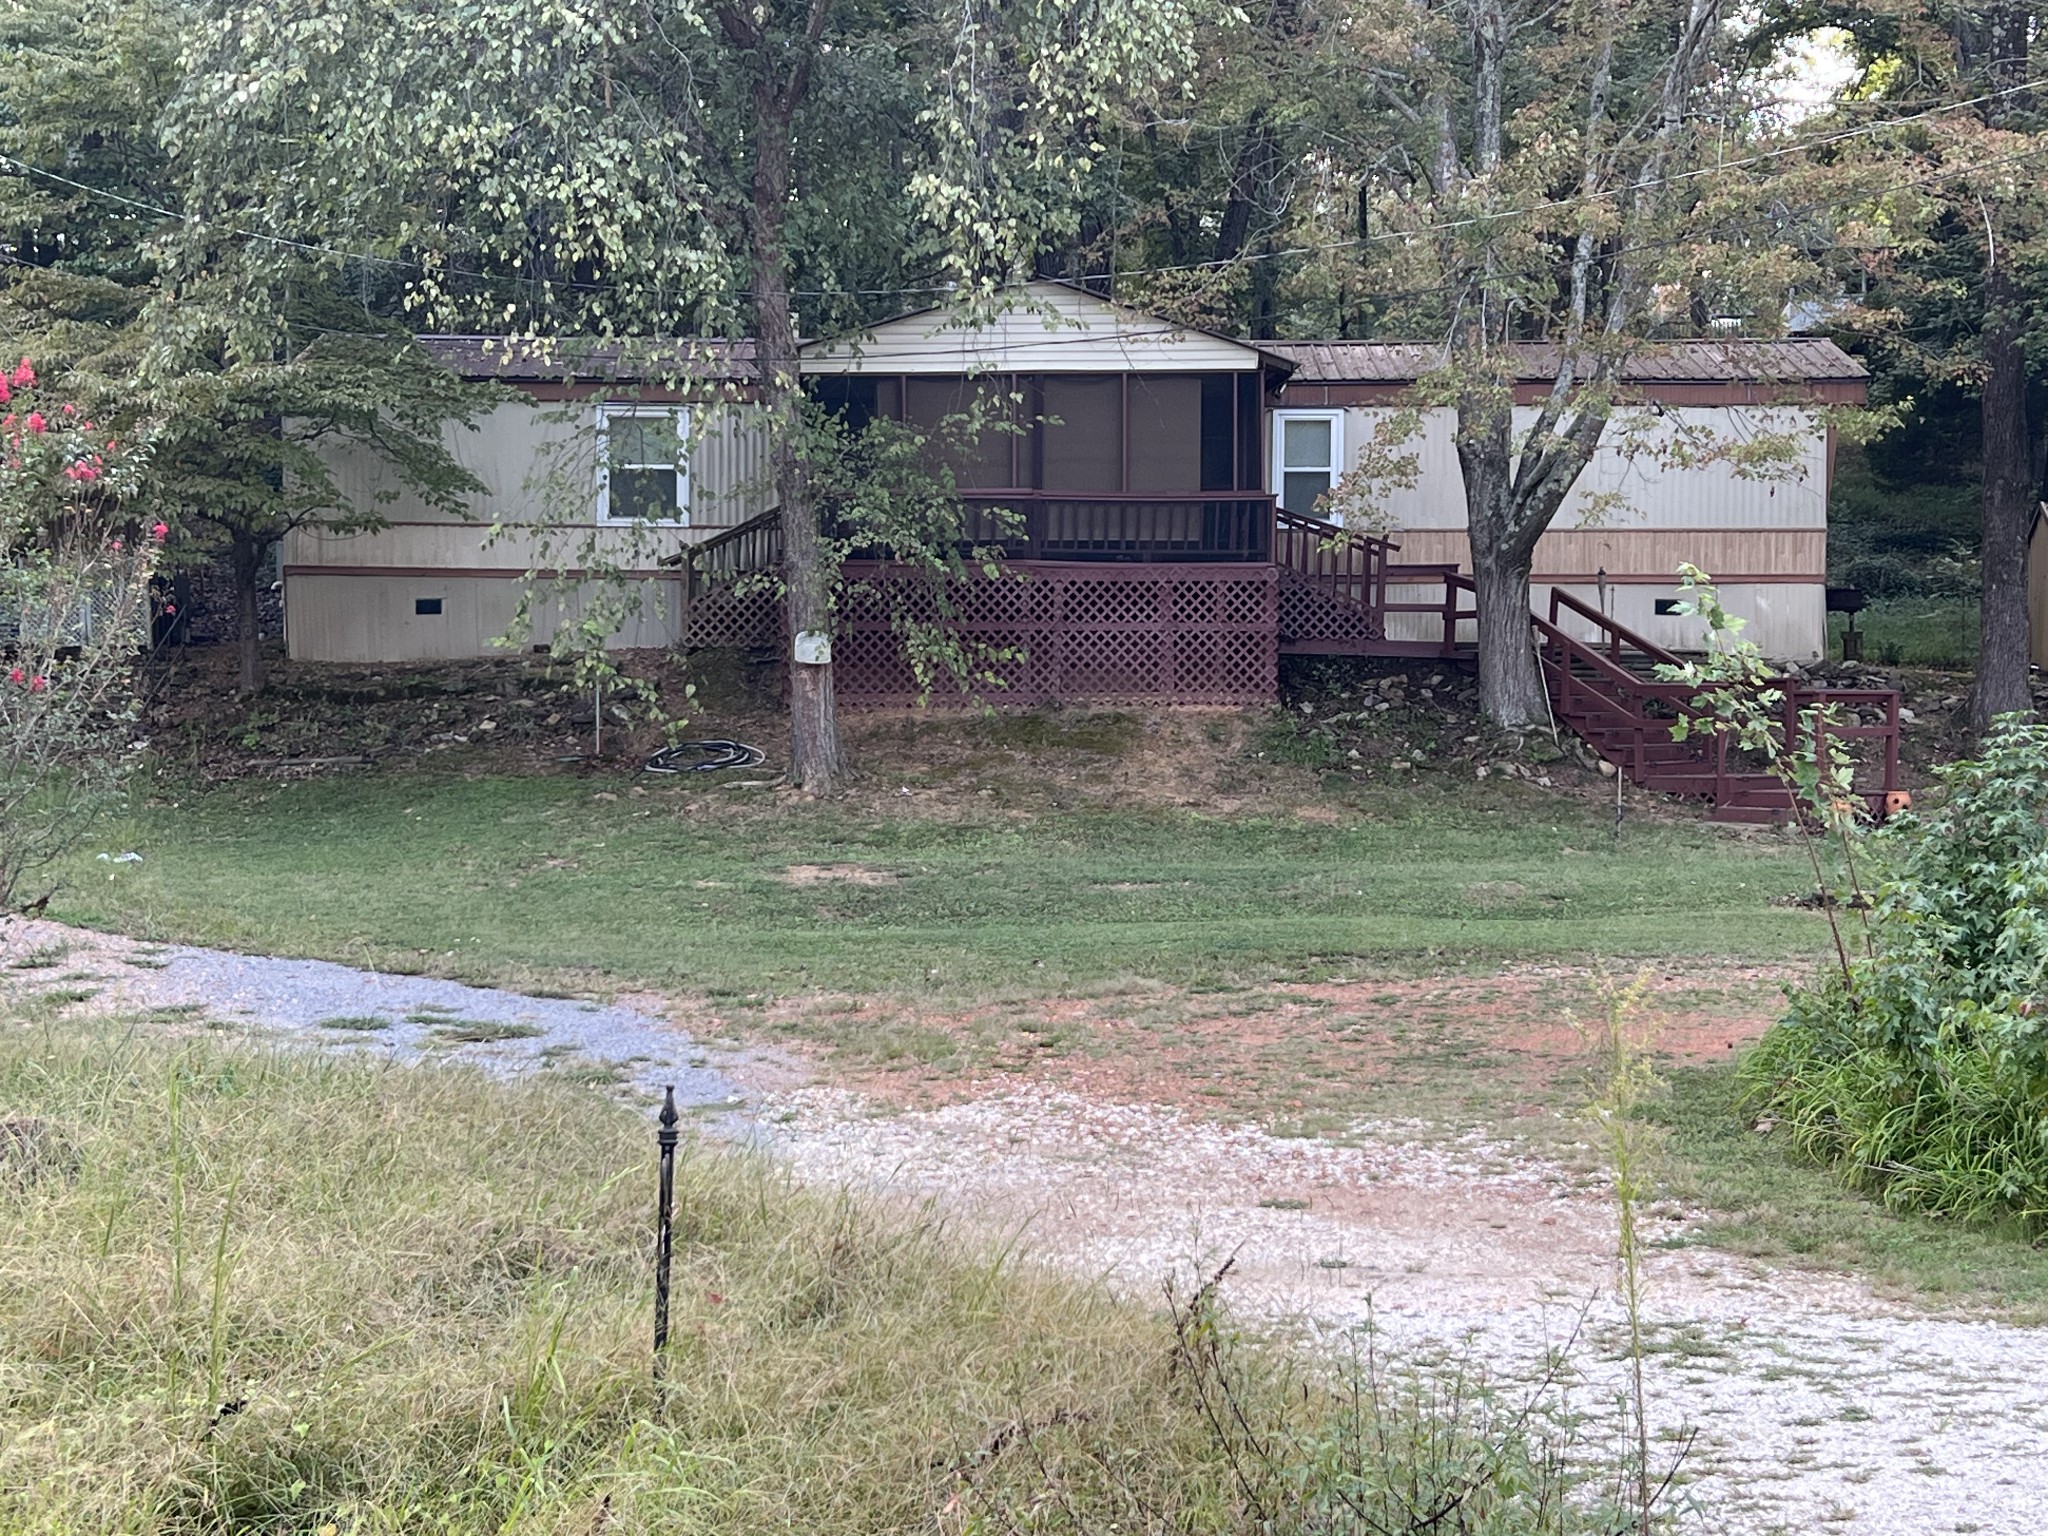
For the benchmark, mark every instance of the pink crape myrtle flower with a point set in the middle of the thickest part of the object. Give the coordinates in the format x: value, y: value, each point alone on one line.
x: 6, y: 394
x: 24, y: 376
x: 17, y: 676
x: 38, y: 684
x: 35, y: 422
x: 160, y: 532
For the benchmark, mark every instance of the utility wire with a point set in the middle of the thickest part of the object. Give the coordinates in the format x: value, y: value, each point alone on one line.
x: 1444, y: 226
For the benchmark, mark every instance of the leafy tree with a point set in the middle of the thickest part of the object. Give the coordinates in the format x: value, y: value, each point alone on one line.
x: 75, y: 567
x: 1585, y: 177
x: 1971, y: 289
x: 579, y: 167
x: 216, y: 358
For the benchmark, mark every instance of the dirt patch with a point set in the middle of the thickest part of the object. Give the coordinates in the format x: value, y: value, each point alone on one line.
x: 1499, y: 1046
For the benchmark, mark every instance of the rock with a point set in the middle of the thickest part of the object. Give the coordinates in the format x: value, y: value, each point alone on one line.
x: 1606, y: 769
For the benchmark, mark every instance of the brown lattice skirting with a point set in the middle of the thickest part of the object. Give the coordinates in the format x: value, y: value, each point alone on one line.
x: 1089, y: 633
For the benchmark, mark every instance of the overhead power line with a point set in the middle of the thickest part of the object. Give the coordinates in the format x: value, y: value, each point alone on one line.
x: 1443, y: 226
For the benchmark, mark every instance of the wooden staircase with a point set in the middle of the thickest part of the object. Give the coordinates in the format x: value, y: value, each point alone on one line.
x: 1607, y: 690
x: 1335, y: 600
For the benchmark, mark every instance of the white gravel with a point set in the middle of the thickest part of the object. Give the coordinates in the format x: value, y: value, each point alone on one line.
x: 288, y: 1000
x: 1818, y: 1406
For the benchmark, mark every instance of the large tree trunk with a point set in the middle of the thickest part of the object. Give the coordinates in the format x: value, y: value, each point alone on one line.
x: 815, y: 759
x: 1511, y: 690
x: 1993, y: 46
x: 1510, y: 682
x: 2004, y: 653
x: 245, y: 560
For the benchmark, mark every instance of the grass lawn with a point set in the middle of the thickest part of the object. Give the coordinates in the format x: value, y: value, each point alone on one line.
x: 917, y: 930
x: 732, y: 892
x: 1913, y: 632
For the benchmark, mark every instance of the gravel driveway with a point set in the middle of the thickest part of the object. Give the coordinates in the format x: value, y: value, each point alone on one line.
x: 1819, y: 1406
x: 408, y: 1018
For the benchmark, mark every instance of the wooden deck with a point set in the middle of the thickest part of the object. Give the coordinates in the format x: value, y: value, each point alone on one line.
x: 1193, y: 600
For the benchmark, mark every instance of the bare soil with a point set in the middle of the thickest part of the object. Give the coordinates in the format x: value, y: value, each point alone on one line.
x: 1505, y: 1045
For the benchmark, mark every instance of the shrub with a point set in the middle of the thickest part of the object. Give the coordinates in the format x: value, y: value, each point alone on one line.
x: 75, y: 573
x: 1920, y: 1066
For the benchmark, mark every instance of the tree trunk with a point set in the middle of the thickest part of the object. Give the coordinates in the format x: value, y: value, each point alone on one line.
x: 245, y: 559
x: 2004, y: 654
x: 1510, y: 683
x: 1511, y: 692
x: 815, y: 758
x: 1993, y: 46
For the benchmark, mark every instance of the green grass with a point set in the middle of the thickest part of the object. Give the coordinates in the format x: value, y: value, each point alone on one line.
x: 357, y: 1023
x: 249, y: 1292
x: 480, y: 1031
x: 1771, y: 1204
x: 1913, y: 632
x: 515, y: 879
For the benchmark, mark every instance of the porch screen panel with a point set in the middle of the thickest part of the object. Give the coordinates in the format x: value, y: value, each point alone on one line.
x: 1219, y: 440
x: 1251, y: 433
x: 979, y: 463
x: 1166, y: 433
x: 1084, y: 433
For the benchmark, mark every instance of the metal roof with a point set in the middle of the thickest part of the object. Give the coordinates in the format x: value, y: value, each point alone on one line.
x: 516, y: 359
x: 1801, y: 360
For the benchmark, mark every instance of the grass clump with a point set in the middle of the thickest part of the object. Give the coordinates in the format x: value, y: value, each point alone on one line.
x: 439, y: 1320
x: 1919, y: 1066
x: 357, y: 1023
x: 479, y: 1031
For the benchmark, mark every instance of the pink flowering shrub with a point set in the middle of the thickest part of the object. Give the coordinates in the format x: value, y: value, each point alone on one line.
x: 75, y: 616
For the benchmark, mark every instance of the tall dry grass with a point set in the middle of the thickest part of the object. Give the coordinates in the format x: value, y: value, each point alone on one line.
x: 253, y: 1292
x: 259, y: 1292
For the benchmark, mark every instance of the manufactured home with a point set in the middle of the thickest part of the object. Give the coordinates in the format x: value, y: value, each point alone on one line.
x: 1169, y: 496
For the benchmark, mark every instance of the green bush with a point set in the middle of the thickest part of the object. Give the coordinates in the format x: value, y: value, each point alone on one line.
x: 1922, y: 1069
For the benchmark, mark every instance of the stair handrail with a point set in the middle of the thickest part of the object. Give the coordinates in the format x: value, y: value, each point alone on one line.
x: 754, y: 545
x: 1618, y: 632
x: 1626, y: 692
x: 1347, y: 565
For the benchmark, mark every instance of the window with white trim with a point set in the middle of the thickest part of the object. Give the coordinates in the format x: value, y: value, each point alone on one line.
x: 1308, y: 457
x: 643, y: 464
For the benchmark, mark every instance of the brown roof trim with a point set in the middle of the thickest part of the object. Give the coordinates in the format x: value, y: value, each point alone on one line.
x: 1299, y: 393
x: 1795, y: 360
x: 561, y: 360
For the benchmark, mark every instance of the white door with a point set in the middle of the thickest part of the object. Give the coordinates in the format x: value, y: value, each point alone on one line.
x: 1308, y: 456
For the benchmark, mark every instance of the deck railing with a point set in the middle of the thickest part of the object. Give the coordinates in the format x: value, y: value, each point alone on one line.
x: 1228, y: 527
x: 1606, y: 690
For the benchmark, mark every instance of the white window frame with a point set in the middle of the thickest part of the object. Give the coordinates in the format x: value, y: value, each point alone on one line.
x: 615, y: 411
x: 1276, y: 466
